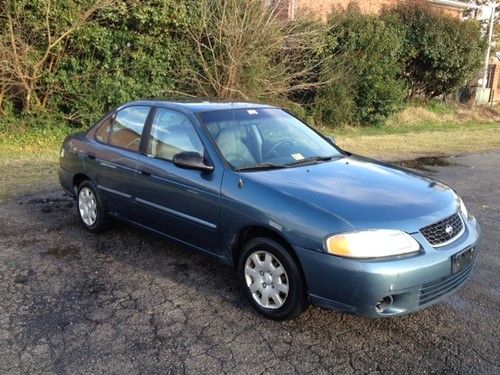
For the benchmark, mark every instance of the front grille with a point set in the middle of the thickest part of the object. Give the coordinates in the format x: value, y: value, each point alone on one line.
x: 444, y: 231
x: 434, y: 290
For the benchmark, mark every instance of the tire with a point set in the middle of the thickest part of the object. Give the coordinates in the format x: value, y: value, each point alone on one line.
x: 90, y: 207
x: 275, y: 294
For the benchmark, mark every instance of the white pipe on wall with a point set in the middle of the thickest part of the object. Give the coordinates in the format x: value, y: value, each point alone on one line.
x: 456, y: 4
x: 488, y: 48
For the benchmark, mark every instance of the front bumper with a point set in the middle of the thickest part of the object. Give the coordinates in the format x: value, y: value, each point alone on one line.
x: 412, y: 283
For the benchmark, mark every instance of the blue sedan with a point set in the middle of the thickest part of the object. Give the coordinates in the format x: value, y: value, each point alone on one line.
x: 301, y: 220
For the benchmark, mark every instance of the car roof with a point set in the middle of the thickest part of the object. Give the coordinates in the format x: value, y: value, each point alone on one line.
x: 198, y: 105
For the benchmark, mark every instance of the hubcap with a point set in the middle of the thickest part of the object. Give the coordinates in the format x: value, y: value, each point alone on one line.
x: 87, y: 206
x: 267, y: 279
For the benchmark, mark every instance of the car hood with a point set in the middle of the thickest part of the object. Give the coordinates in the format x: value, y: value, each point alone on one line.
x: 365, y: 193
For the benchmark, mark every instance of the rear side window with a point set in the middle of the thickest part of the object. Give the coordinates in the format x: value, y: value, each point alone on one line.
x: 172, y: 133
x: 102, y: 132
x: 127, y: 128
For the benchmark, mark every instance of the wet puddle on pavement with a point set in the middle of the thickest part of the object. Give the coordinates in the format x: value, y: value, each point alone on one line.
x: 424, y: 163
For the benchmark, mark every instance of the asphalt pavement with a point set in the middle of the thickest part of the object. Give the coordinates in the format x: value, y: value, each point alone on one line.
x: 126, y: 302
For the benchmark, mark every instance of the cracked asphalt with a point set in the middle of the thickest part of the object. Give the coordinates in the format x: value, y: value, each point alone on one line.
x: 126, y: 302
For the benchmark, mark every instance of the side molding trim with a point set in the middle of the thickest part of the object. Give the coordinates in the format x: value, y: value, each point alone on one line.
x: 177, y: 213
x: 112, y: 191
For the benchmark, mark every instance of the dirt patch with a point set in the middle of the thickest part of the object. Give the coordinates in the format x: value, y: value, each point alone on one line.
x: 63, y: 251
x: 50, y: 204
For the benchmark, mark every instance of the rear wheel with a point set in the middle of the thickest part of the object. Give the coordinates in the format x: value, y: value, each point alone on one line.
x: 90, y: 207
x: 271, y: 279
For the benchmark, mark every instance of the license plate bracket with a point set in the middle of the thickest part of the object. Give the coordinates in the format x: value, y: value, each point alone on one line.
x: 462, y: 259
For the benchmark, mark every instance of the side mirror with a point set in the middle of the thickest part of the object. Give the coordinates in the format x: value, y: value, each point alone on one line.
x: 330, y: 139
x: 192, y: 160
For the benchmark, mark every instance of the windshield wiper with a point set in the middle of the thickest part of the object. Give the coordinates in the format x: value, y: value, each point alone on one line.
x: 311, y: 159
x: 261, y: 166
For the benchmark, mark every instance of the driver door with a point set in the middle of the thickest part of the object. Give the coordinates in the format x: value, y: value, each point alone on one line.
x: 180, y: 203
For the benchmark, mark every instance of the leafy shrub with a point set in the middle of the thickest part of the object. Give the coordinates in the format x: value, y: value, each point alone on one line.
x: 33, y: 39
x: 137, y: 50
x: 335, y: 103
x: 441, y: 53
x: 365, y: 85
x: 355, y: 69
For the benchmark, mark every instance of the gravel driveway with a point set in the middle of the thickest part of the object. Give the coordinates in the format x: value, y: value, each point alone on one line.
x: 126, y: 302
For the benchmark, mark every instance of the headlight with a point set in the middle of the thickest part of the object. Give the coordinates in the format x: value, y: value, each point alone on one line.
x: 463, y: 209
x: 371, y: 244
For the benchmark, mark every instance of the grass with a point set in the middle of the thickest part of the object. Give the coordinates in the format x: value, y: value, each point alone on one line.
x: 396, y: 144
x: 27, y: 174
x: 29, y: 156
x: 433, y: 130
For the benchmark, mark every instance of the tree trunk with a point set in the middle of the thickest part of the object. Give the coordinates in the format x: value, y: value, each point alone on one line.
x: 27, y: 100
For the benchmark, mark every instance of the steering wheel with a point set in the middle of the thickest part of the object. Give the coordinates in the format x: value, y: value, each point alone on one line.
x: 275, y: 147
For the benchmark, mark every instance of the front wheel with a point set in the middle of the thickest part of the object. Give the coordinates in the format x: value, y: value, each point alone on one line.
x: 272, y: 280
x: 90, y: 207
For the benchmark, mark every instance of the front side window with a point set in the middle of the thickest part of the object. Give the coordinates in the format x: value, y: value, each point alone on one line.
x: 172, y: 133
x: 248, y: 138
x: 127, y: 128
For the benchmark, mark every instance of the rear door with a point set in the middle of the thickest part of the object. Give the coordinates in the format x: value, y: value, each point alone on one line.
x: 180, y: 203
x: 117, y: 158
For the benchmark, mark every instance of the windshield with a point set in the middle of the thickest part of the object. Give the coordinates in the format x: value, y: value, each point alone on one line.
x: 265, y: 137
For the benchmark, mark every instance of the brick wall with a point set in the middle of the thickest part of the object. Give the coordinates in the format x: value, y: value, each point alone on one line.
x: 323, y: 7
x: 495, y: 83
x: 451, y: 11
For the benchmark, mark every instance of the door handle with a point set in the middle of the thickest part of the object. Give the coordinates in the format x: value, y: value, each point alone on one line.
x: 145, y: 173
x: 90, y: 156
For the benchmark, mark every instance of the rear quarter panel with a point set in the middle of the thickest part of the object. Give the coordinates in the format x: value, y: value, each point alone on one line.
x: 72, y: 159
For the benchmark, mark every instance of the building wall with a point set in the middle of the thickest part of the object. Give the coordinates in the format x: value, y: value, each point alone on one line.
x: 451, y: 11
x: 323, y: 7
x: 495, y: 83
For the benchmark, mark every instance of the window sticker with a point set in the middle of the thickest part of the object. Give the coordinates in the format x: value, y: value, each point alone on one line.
x: 252, y: 112
x: 297, y: 156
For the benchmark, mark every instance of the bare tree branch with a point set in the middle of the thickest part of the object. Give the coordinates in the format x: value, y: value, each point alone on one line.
x: 29, y: 61
x: 244, y: 50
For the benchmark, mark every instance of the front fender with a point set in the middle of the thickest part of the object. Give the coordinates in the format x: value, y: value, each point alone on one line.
x: 247, y: 203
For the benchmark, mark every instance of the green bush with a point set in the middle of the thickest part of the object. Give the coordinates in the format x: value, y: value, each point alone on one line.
x: 364, y: 80
x: 335, y: 103
x: 357, y: 68
x: 136, y: 50
x: 441, y: 53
